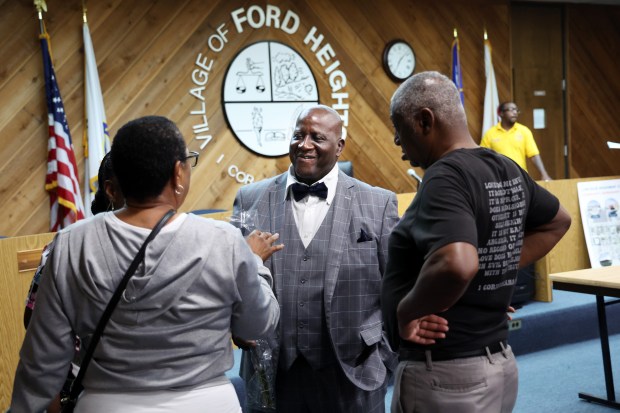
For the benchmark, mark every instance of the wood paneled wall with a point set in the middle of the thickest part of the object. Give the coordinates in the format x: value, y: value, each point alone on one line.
x: 593, y: 89
x: 146, y: 52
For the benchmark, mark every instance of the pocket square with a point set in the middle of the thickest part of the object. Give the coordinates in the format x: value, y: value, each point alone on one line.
x: 364, y: 236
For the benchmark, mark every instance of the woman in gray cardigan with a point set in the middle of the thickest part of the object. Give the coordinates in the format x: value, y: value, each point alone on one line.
x: 167, y: 344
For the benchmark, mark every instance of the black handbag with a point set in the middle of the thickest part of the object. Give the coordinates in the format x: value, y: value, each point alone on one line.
x: 68, y: 403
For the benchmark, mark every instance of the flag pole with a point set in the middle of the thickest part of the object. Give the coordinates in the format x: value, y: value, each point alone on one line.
x: 41, y: 7
x: 85, y: 118
x: 84, y: 11
x: 41, y: 27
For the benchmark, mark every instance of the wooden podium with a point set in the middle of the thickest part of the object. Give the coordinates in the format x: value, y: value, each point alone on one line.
x: 19, y: 257
x: 571, y: 253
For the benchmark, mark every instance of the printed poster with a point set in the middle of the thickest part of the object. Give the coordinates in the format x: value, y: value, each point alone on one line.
x: 598, y: 202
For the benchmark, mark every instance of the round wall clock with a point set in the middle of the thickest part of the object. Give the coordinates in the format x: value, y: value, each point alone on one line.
x: 398, y: 60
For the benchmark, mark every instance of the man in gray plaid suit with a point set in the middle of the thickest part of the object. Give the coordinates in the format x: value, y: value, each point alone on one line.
x: 333, y: 354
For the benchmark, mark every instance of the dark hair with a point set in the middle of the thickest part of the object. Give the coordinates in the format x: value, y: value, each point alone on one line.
x: 144, y: 152
x: 500, y: 108
x: 101, y: 203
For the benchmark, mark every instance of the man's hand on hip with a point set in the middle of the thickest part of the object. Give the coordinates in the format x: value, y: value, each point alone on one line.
x: 423, y: 330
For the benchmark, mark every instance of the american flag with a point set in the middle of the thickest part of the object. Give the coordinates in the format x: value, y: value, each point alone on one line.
x: 61, y: 180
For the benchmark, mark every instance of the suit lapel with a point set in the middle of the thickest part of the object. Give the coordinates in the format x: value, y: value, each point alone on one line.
x: 277, y: 205
x: 345, y: 196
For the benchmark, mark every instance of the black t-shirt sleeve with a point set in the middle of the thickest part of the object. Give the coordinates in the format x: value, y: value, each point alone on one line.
x: 444, y: 214
x: 543, y: 205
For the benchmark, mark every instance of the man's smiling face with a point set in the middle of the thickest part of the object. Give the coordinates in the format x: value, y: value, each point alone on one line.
x: 316, y: 144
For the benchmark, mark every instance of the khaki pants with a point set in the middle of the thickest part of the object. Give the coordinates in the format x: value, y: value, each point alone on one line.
x: 482, y: 384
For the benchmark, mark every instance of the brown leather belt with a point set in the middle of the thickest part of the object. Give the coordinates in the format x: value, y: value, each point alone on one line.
x: 440, y: 355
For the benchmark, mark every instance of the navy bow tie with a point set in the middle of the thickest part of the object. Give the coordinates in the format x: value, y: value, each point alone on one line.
x: 301, y: 190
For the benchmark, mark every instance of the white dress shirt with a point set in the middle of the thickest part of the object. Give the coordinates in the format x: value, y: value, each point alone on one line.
x: 310, y: 211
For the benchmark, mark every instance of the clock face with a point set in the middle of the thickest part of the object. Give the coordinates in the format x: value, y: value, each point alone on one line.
x: 399, y: 60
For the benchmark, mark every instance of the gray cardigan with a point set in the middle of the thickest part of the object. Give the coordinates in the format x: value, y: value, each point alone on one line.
x: 172, y: 328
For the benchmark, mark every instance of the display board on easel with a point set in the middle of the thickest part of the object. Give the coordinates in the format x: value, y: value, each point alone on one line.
x: 599, y: 203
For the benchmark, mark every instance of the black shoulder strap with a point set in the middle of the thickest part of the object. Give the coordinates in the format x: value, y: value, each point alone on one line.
x: 76, y: 387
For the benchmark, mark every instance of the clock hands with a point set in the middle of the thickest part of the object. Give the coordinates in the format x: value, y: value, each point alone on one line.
x: 399, y: 60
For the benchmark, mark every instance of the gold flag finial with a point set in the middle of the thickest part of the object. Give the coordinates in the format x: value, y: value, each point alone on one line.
x: 486, y: 37
x: 84, y: 11
x: 40, y: 5
x: 455, y: 34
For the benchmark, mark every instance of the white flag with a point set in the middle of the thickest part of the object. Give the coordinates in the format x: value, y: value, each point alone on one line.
x: 491, y: 99
x: 96, y: 138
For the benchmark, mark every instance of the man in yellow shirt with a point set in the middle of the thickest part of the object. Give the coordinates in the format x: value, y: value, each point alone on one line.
x: 513, y: 139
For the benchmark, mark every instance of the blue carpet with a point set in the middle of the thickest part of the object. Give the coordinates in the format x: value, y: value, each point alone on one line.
x: 569, y: 318
x: 549, y: 380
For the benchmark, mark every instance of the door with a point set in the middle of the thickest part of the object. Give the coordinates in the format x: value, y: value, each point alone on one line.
x: 538, y: 81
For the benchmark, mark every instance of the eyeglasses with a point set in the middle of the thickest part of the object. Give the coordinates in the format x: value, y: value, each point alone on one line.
x: 193, y: 155
x: 512, y: 110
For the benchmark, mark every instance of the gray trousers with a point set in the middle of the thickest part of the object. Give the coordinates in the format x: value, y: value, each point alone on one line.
x: 482, y: 384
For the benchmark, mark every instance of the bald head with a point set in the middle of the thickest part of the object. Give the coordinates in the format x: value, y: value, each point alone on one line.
x: 330, y: 115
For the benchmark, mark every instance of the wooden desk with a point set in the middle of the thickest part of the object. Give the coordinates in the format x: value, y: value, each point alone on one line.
x: 600, y: 282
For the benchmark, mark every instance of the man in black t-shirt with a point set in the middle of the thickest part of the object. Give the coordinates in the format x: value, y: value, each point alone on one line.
x: 454, y: 256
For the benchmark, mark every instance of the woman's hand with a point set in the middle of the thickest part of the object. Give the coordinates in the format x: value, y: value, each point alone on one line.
x: 262, y: 243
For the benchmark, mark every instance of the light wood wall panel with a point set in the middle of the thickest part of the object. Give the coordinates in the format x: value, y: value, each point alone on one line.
x: 146, y: 51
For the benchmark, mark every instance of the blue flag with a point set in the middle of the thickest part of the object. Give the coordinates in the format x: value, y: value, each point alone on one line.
x: 457, y: 76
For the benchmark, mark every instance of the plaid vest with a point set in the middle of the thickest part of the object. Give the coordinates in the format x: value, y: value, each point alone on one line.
x: 302, y: 318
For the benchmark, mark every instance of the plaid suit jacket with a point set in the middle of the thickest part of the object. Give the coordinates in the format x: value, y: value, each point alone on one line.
x: 364, y: 216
